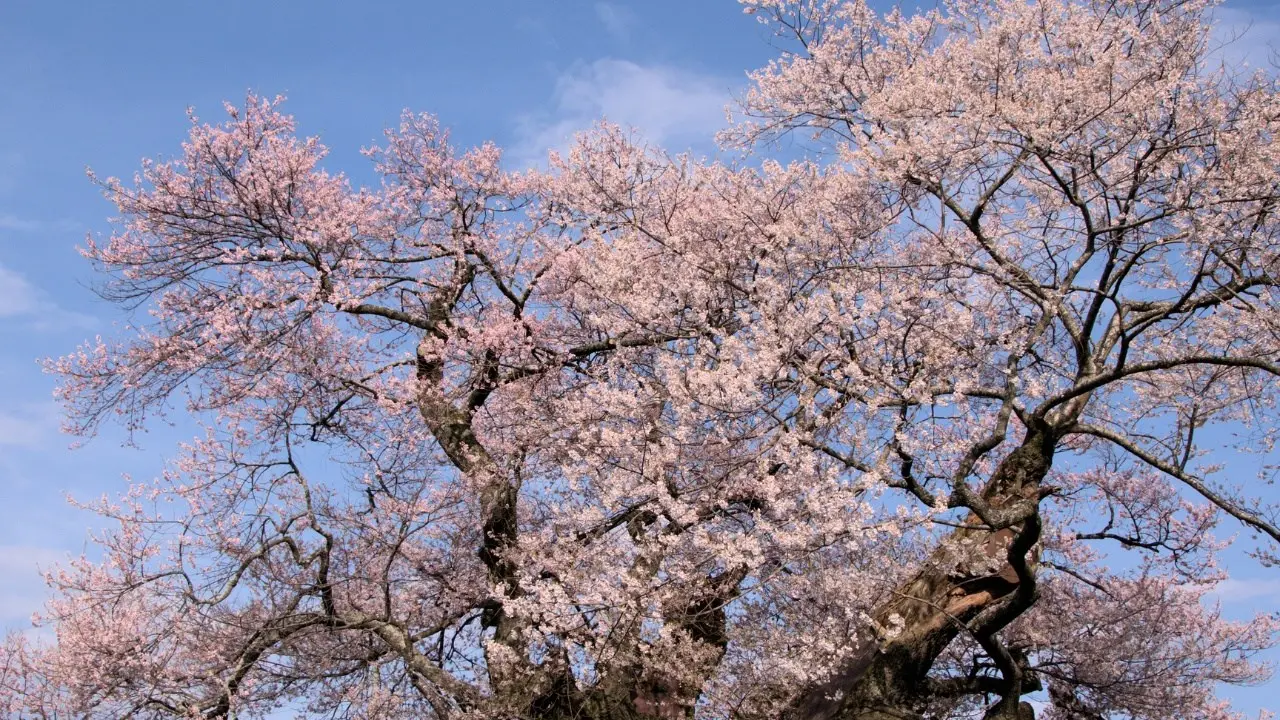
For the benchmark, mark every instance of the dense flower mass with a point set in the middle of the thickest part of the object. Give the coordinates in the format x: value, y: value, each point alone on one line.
x: 648, y: 437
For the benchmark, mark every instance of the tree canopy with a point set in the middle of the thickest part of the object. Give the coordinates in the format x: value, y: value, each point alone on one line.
x: 648, y: 436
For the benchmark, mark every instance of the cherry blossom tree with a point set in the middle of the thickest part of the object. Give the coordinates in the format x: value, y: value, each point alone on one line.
x: 645, y: 436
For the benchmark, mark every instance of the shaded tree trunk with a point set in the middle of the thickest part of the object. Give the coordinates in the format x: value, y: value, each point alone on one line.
x: 977, y: 580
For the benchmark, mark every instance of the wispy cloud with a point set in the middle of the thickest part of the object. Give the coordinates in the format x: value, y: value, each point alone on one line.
x: 9, y: 221
x: 1248, y: 590
x: 617, y: 20
x: 17, y: 296
x: 665, y: 105
x: 28, y: 425
x: 22, y: 301
x: 536, y: 31
x: 24, y: 589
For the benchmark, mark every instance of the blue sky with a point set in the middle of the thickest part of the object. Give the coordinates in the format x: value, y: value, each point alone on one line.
x: 104, y: 85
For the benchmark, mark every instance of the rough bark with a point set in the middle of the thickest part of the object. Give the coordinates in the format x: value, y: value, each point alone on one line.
x: 952, y: 593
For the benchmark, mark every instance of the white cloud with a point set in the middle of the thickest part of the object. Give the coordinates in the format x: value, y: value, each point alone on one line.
x: 23, y: 590
x: 1247, y: 37
x: 667, y: 106
x: 17, y: 296
x: 21, y: 300
x: 28, y: 425
x: 1253, y: 590
x: 616, y: 19
x: 9, y: 221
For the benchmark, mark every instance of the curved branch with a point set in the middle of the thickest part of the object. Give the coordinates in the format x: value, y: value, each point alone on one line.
x: 1089, y: 384
x: 1250, y: 519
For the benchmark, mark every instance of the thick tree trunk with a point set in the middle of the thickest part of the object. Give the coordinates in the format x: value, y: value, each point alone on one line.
x: 636, y: 693
x: 968, y: 580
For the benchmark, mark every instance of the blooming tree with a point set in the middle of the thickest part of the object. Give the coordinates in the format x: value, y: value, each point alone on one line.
x: 644, y: 436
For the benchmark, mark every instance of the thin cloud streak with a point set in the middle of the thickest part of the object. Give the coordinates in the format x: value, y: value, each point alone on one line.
x: 29, y: 425
x: 18, y: 297
x: 24, y: 589
x: 9, y: 221
x: 1240, y: 590
x: 22, y: 302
